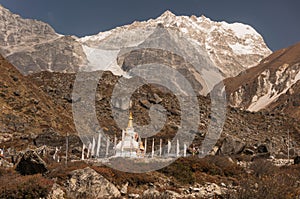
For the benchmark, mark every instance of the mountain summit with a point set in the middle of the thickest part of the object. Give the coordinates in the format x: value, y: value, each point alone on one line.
x: 33, y: 46
x: 232, y: 47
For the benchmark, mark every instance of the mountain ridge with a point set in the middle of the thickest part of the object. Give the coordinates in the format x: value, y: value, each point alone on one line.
x: 271, y: 85
x: 48, y: 50
x: 242, y: 39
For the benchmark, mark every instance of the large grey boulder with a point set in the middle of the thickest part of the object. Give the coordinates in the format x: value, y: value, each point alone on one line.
x: 231, y: 145
x: 151, y: 193
x: 87, y: 183
x: 56, y: 192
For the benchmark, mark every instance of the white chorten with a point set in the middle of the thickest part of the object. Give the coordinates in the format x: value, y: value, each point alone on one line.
x: 130, y: 145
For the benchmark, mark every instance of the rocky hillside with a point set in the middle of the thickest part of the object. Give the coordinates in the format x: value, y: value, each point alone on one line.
x: 33, y: 46
x: 25, y: 109
x: 245, y: 131
x: 273, y: 85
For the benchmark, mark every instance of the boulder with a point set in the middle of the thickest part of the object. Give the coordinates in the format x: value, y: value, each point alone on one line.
x: 87, y: 183
x: 231, y: 145
x: 4, y: 163
x: 151, y: 193
x: 56, y: 192
x: 145, y: 103
x: 262, y: 149
x: 194, y: 189
x: 213, y: 189
x: 133, y: 195
x: 249, y: 152
x: 155, y: 99
x: 297, y: 160
x: 170, y: 194
x: 30, y: 163
x: 124, y: 189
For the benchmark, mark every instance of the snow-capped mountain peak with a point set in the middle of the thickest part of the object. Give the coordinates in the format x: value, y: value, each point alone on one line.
x: 232, y: 47
x: 167, y: 15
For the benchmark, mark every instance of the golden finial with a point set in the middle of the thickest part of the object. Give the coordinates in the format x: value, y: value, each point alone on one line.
x: 130, y: 123
x: 142, y: 146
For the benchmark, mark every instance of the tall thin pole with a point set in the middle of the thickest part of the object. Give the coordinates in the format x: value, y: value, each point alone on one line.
x: 67, y: 148
x: 82, y: 152
x: 289, y: 146
x: 169, y: 147
x: 139, y: 147
x: 107, y: 146
x: 89, y: 150
x: 177, y: 148
x: 145, y: 147
x: 115, y: 144
x: 153, y: 148
x: 160, y: 147
x: 98, y: 145
x: 122, y: 142
x: 93, y: 148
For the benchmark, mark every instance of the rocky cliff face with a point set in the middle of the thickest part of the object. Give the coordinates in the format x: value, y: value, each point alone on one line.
x: 33, y: 46
x: 17, y: 32
x: 272, y: 85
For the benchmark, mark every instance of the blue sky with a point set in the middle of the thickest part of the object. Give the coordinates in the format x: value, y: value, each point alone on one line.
x: 277, y: 20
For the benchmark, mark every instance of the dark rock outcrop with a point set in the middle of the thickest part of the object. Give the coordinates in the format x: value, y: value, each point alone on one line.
x: 262, y: 149
x: 297, y: 160
x: 30, y: 163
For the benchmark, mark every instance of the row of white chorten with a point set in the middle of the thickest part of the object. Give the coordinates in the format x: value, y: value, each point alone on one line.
x: 130, y: 145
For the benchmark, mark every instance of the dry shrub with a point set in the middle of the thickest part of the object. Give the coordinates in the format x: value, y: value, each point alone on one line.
x: 14, y: 185
x: 228, y: 168
x: 293, y: 170
x: 269, y: 182
x: 181, y: 170
x: 120, y: 178
x: 60, y: 171
x: 188, y: 170
x: 263, y: 167
x: 216, y: 165
x: 268, y: 187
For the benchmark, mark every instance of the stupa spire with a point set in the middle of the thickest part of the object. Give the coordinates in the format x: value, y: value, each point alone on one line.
x: 130, y: 121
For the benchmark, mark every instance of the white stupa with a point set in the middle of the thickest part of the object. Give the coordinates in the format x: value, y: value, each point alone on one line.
x: 130, y: 145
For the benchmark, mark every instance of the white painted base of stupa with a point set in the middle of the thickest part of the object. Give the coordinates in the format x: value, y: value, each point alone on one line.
x: 126, y: 154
